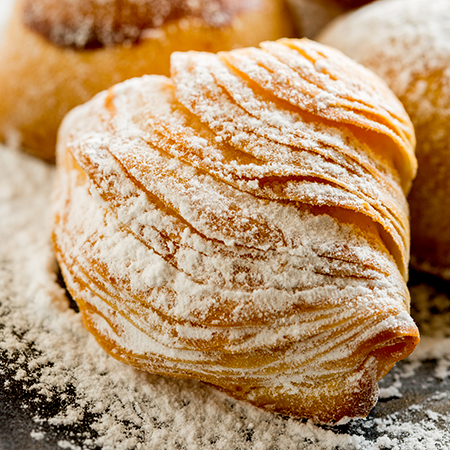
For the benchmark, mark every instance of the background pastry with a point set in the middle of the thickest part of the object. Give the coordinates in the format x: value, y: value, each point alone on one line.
x: 244, y: 224
x: 407, y: 43
x: 59, y: 53
x: 310, y: 16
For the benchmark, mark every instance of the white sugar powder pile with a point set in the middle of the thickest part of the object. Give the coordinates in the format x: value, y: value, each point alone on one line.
x: 107, y: 405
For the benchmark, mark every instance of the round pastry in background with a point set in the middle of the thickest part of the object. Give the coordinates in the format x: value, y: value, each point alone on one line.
x: 408, y: 44
x: 59, y: 53
x: 310, y: 16
x: 244, y: 223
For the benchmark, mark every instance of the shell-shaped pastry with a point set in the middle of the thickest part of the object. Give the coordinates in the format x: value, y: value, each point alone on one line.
x: 244, y: 223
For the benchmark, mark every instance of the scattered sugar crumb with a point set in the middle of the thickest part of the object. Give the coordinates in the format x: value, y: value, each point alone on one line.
x: 389, y: 392
x: 68, y: 445
x: 443, y: 369
x: 37, y: 435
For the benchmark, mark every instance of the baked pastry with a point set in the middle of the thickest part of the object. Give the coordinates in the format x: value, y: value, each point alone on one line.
x: 310, y: 16
x: 407, y: 43
x: 243, y: 223
x: 75, y: 49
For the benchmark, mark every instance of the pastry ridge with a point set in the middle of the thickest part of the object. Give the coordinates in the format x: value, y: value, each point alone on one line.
x: 210, y: 229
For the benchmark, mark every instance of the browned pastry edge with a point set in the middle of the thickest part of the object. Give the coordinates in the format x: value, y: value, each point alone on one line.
x: 88, y: 24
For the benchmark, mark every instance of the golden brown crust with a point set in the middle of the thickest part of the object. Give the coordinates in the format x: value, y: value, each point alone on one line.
x: 93, y: 23
x: 226, y: 225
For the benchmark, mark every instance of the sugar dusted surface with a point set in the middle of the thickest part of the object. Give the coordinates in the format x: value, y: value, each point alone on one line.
x: 45, y: 345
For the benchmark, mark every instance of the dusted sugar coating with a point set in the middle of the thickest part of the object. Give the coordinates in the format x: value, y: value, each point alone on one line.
x: 244, y: 224
x: 58, y: 54
x: 408, y: 44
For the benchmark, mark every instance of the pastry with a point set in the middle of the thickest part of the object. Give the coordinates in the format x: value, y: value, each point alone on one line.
x: 310, y: 16
x: 244, y: 223
x: 407, y: 43
x: 75, y: 49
